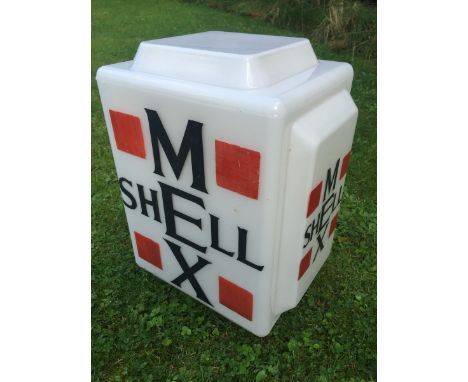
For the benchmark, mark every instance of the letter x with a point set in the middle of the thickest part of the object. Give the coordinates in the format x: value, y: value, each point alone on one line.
x: 320, y: 243
x: 188, y: 272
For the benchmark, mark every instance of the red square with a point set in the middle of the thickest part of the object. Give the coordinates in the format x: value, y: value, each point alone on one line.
x: 127, y: 133
x: 344, y: 165
x: 237, y: 169
x: 148, y: 250
x: 314, y: 199
x: 235, y: 298
x: 333, y: 225
x: 305, y: 264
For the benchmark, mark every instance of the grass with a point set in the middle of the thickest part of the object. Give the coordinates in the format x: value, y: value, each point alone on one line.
x: 145, y: 330
x: 344, y: 25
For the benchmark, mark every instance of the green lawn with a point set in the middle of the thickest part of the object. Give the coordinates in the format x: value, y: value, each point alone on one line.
x: 146, y: 330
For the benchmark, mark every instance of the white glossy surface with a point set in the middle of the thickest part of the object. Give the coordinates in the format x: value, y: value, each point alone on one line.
x: 299, y: 125
x: 235, y: 60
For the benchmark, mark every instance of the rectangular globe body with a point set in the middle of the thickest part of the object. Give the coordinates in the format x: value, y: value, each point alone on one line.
x: 231, y: 165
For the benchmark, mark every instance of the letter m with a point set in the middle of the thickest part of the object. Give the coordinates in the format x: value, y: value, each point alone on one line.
x: 192, y: 142
x: 330, y: 182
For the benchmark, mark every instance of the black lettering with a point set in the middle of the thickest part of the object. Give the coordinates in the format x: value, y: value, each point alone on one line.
x: 243, y: 250
x: 192, y: 142
x: 330, y: 182
x: 320, y: 242
x: 316, y: 253
x: 170, y: 213
x: 133, y: 203
x: 313, y: 228
x: 315, y: 225
x: 215, y: 236
x: 153, y: 202
x: 308, y: 235
x: 327, y: 207
x: 188, y: 272
x: 338, y: 199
